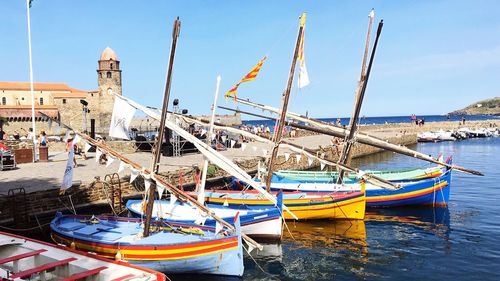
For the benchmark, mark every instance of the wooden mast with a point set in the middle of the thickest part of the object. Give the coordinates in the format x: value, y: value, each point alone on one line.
x: 345, y: 155
x: 286, y: 96
x: 335, y: 131
x: 159, y: 141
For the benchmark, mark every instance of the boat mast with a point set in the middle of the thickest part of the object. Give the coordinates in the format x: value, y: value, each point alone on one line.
x: 201, y: 192
x: 159, y: 141
x: 345, y: 155
x: 286, y: 96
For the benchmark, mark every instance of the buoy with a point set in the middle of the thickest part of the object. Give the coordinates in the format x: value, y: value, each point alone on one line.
x: 72, y: 245
x: 118, y: 256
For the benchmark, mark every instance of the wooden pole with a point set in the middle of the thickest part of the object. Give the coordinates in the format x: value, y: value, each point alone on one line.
x: 159, y: 141
x: 363, y: 81
x: 335, y: 131
x: 286, y: 96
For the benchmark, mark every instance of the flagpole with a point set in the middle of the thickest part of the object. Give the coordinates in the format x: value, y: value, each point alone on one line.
x: 201, y: 192
x: 31, y: 81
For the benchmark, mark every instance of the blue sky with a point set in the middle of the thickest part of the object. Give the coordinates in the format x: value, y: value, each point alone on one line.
x: 433, y: 56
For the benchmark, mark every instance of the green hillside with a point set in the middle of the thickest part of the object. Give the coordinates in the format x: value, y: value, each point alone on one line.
x: 487, y: 107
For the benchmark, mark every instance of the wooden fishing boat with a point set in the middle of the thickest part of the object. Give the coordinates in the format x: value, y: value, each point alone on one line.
x: 433, y: 191
x: 306, y: 206
x: 331, y: 176
x: 171, y: 248
x: 262, y: 224
x: 22, y: 258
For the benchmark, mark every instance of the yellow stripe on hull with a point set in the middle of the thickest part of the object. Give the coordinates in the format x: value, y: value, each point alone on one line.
x: 127, y: 253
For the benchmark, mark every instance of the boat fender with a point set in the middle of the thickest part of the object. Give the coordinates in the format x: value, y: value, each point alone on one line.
x: 72, y: 245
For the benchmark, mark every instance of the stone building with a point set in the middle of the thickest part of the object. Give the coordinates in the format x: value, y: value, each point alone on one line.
x: 62, y: 102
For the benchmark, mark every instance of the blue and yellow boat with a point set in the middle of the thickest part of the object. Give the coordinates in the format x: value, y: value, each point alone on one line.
x: 171, y: 248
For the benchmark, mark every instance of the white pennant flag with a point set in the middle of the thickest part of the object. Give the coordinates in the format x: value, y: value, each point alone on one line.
x: 147, y: 185
x: 160, y: 188
x: 77, y: 139
x: 173, y: 199
x: 122, y: 166
x: 218, y: 227
x: 303, y: 76
x: 68, y: 172
x: 322, y: 166
x: 223, y: 138
x: 309, y: 161
x: 133, y: 174
x: 212, y: 137
x: 243, y: 146
x: 111, y: 159
x: 233, y: 142
x: 203, y: 132
x: 98, y: 154
x: 122, y: 115
x: 287, y: 156
x: 298, y: 157
x: 87, y: 147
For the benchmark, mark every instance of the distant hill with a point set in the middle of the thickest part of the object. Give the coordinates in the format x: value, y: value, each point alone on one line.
x: 484, y: 107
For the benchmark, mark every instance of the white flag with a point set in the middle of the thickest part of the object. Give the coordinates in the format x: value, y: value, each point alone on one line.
x: 77, y: 139
x: 68, y: 172
x: 298, y: 156
x: 133, y: 174
x: 122, y: 166
x: 98, y: 154
x: 87, y: 147
x: 203, y: 132
x: 160, y: 188
x: 147, y: 185
x: 243, y: 146
x: 223, y: 138
x: 111, y: 159
x: 287, y: 156
x: 121, y: 118
x: 218, y: 227
x: 303, y: 76
x: 322, y: 166
x: 173, y: 199
x: 233, y: 142
x: 309, y: 161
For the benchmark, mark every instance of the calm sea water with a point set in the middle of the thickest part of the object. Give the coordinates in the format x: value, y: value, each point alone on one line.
x: 460, y: 242
x: 386, y: 119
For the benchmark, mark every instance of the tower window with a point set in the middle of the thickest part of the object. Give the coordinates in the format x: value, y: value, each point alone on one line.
x: 41, y: 101
x: 4, y: 100
x: 64, y: 101
x: 111, y: 65
x: 108, y: 74
x: 100, y: 74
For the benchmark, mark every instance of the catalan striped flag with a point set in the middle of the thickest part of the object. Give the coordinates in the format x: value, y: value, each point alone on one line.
x: 249, y: 77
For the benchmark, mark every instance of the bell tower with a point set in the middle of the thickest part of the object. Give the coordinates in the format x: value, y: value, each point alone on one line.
x: 109, y: 75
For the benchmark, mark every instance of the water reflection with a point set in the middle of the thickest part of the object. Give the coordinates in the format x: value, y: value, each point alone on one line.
x: 434, y: 220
